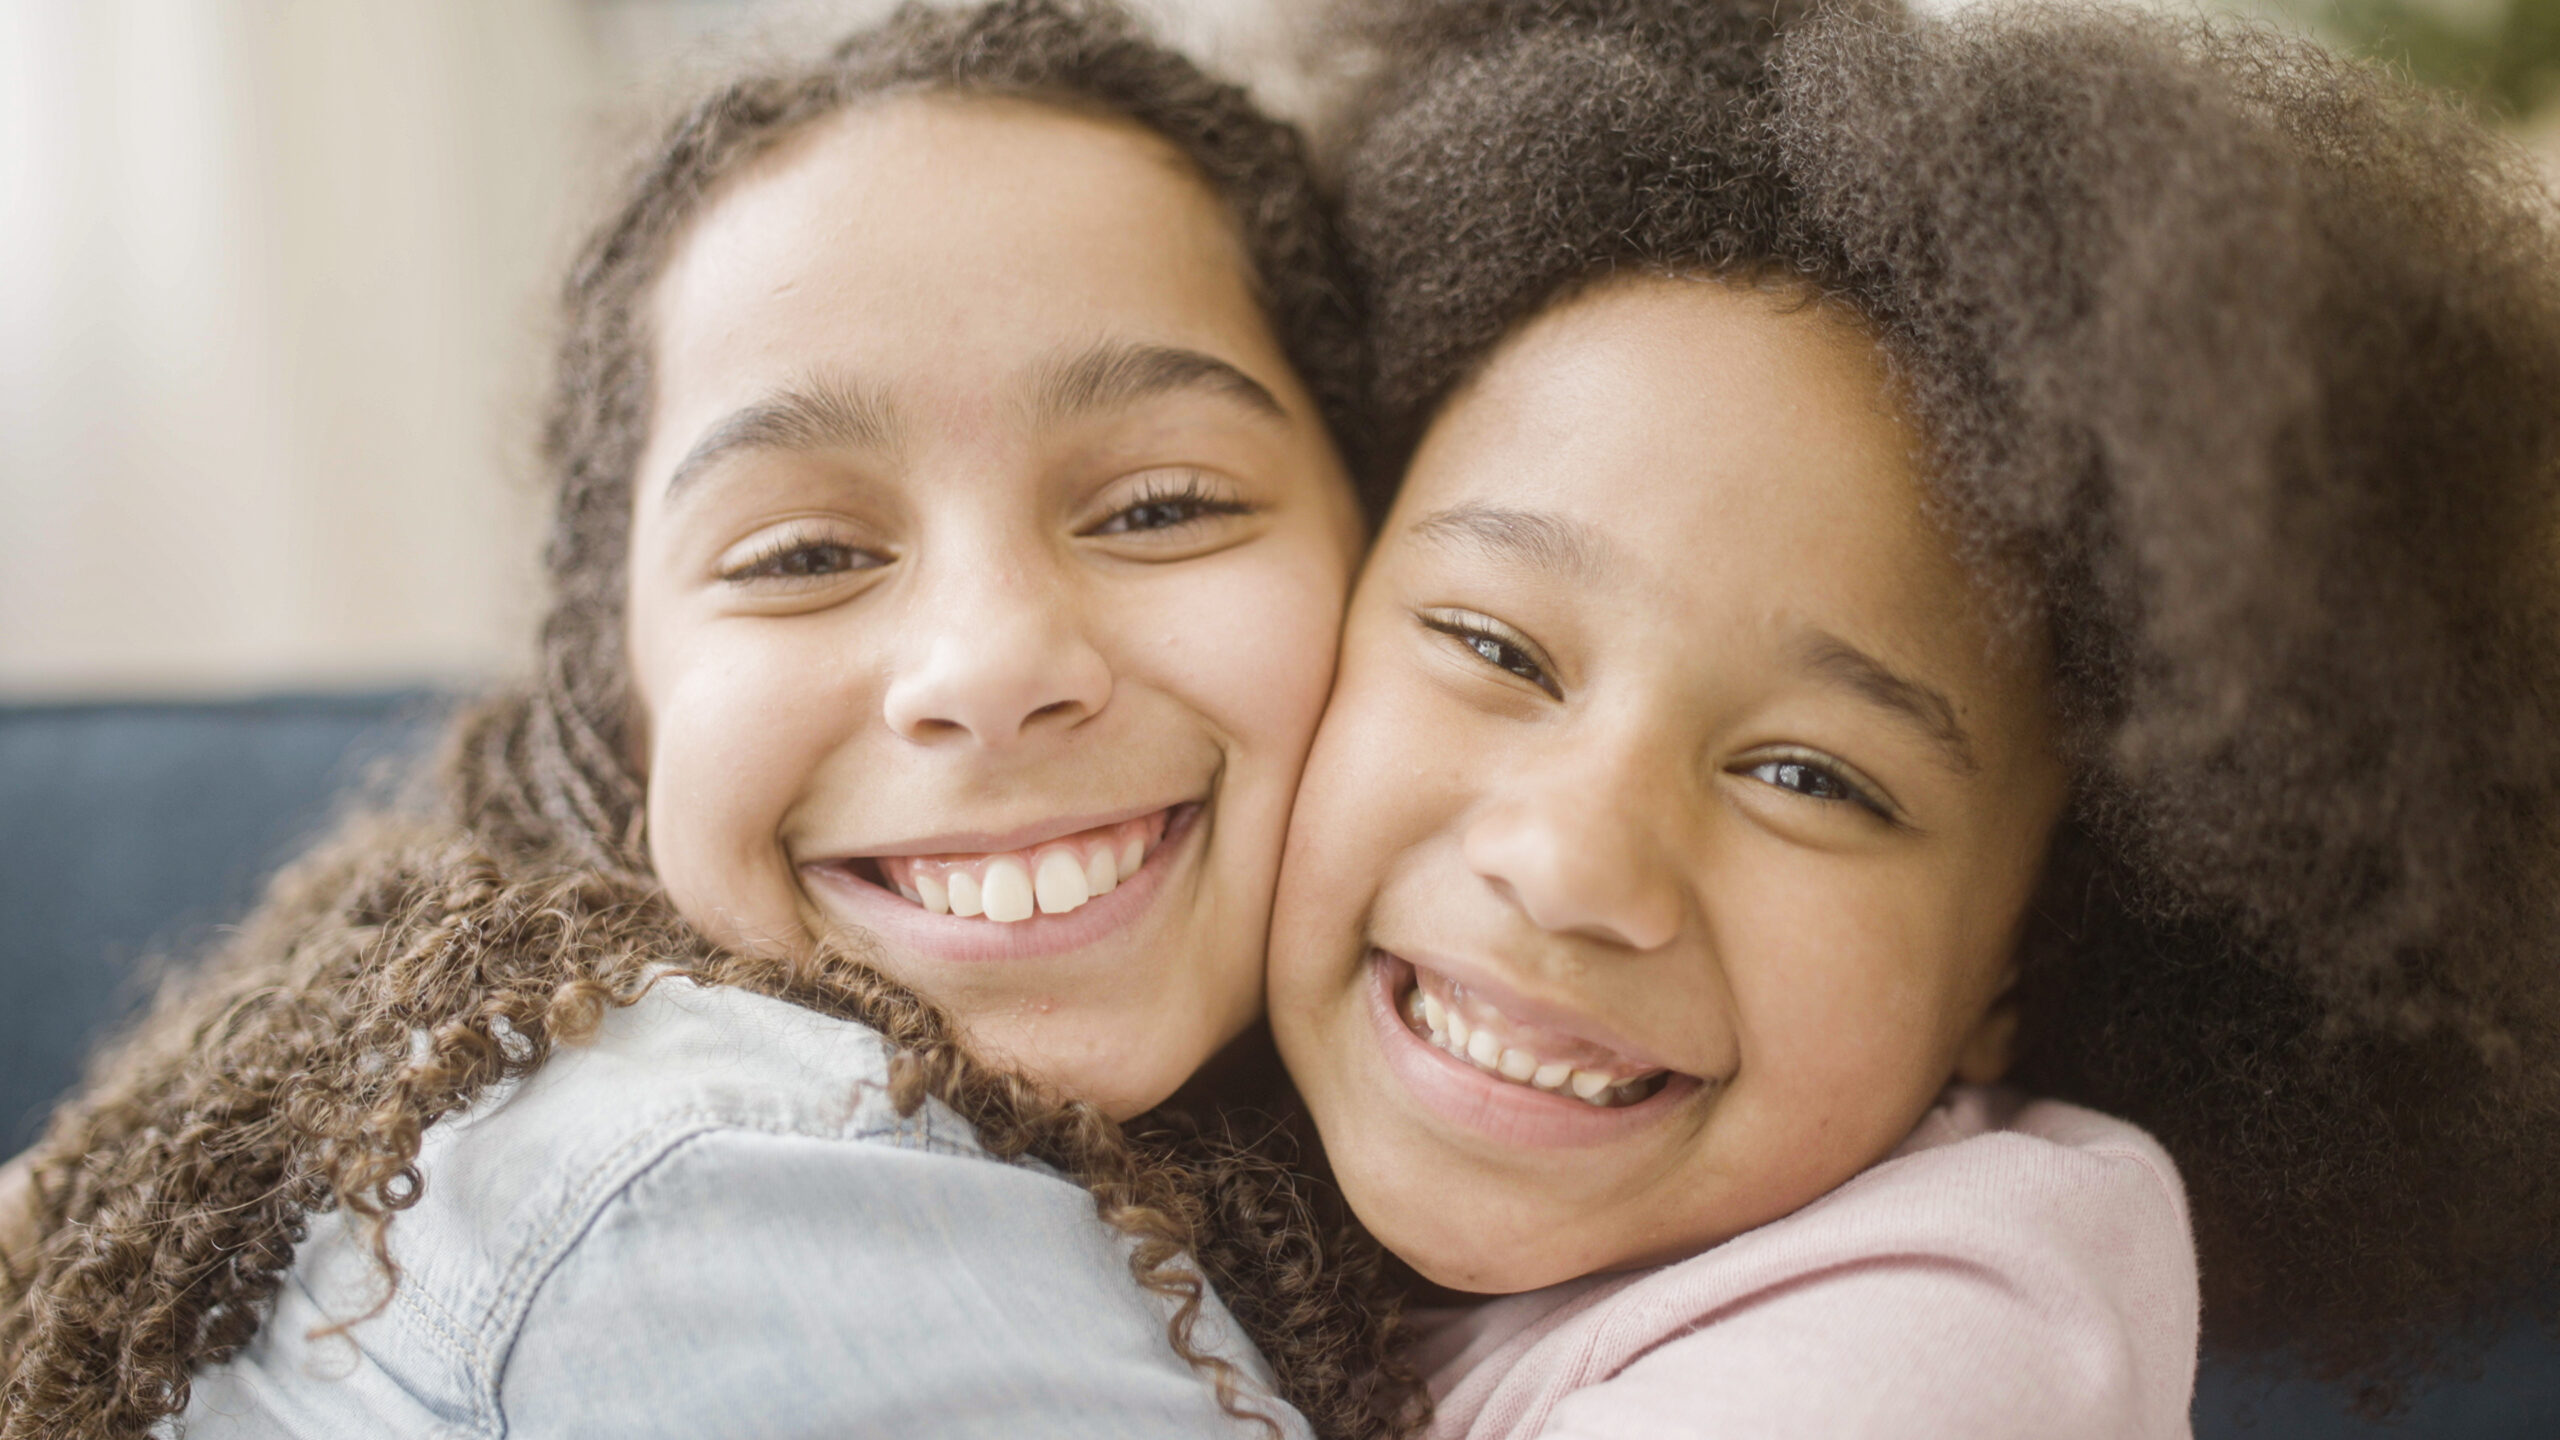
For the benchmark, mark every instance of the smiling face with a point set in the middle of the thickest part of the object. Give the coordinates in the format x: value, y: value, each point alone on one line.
x: 986, y: 552
x: 1664, y: 849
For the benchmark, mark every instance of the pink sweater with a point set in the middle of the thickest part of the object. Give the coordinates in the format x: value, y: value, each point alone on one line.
x: 2015, y: 1268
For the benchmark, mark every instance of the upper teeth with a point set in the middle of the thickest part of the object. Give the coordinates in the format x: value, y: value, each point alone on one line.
x: 1051, y: 878
x: 1479, y: 1046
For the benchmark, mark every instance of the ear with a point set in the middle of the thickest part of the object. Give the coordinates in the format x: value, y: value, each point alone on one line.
x: 1984, y: 1056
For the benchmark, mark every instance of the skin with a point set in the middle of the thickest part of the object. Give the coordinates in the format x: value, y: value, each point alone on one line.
x: 961, y: 603
x: 1717, y: 843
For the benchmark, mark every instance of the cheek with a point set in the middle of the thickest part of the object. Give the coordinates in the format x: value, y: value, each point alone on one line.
x: 738, y: 725
x: 1363, y: 804
x: 1250, y: 646
x: 1852, y: 987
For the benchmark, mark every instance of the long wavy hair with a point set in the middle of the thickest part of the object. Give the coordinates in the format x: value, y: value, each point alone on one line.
x: 2245, y: 359
x: 437, y: 948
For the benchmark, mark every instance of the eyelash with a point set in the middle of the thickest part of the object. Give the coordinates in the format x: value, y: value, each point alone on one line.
x: 774, y: 560
x: 1189, y: 495
x: 1817, y: 773
x: 1497, y: 645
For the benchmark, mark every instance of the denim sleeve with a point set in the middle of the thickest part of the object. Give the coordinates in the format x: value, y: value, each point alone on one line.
x: 783, y: 1285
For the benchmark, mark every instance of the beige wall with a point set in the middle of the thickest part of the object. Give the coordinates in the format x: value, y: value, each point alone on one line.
x: 267, y: 307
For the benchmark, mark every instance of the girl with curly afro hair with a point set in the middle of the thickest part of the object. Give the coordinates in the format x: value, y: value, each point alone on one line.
x: 1949, y: 764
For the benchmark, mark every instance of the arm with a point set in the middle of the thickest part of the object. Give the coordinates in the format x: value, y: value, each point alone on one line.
x: 779, y: 1285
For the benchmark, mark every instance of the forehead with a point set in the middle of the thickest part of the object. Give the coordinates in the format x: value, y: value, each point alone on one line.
x: 950, y: 232
x: 1724, y: 446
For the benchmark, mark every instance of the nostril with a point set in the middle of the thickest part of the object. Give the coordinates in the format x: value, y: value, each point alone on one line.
x: 1579, y: 881
x: 1006, y: 682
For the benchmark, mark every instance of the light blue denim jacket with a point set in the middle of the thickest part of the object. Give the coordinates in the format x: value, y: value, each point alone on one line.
x: 710, y: 1221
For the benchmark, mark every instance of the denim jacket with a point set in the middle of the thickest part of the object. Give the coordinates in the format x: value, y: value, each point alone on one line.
x: 710, y: 1221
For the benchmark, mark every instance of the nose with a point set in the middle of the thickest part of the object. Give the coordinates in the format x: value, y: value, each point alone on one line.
x: 994, y: 661
x: 1581, y: 855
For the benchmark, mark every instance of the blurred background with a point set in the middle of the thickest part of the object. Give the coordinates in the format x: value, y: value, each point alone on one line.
x: 273, y: 309
x: 274, y: 323
x: 273, y: 285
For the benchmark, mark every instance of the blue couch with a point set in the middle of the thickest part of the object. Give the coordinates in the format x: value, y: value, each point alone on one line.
x: 128, y: 831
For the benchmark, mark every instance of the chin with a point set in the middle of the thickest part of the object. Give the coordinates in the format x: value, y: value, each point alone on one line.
x: 1121, y: 1104
x: 1452, y: 1245
x: 1467, y: 1266
x: 1094, y: 1065
x: 1441, y: 1225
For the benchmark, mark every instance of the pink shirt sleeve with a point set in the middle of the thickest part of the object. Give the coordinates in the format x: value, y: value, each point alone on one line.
x: 2011, y: 1271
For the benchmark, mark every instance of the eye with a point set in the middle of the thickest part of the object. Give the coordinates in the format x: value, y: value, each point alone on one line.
x: 1169, y: 502
x: 802, y: 557
x: 1497, y: 645
x: 1817, y: 780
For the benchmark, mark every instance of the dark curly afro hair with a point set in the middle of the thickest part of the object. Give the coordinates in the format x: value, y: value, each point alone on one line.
x: 434, y: 951
x: 2247, y: 358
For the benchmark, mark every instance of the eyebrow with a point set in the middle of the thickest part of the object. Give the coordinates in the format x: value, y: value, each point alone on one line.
x: 1532, y: 538
x: 1925, y: 709
x: 818, y: 415
x: 1115, y: 374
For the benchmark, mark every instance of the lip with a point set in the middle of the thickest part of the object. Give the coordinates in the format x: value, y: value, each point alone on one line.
x: 1527, y: 1009
x: 990, y: 842
x: 1511, y: 1115
x: 900, y: 922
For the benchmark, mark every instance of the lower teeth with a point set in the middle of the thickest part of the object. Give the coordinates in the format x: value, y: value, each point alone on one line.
x: 1597, y: 1091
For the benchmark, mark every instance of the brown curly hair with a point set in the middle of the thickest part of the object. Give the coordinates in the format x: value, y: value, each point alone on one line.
x: 2248, y: 357
x: 503, y: 910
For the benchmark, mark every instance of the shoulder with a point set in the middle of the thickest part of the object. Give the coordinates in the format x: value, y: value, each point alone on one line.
x: 2047, y: 1247
x: 709, y: 1219
x: 771, y: 1248
x: 513, y: 1184
x: 685, y: 1058
x: 516, y: 1186
x: 2041, y: 1210
x: 2015, y: 1268
x: 2017, y: 1180
x: 677, y: 1080
x: 808, y: 1285
x: 1973, y: 1112
x: 2000, y: 1132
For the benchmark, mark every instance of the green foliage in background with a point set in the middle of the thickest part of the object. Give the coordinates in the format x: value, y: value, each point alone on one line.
x: 2508, y: 60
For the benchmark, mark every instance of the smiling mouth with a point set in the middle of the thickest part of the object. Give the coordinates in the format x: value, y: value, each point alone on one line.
x: 1053, y: 877
x: 1444, y: 1013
